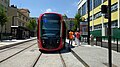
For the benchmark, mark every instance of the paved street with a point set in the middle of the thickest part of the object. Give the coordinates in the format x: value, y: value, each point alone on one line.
x: 27, y: 55
x: 29, y: 26
x: 19, y: 59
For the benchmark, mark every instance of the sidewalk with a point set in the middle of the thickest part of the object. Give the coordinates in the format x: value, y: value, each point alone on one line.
x: 95, y: 56
x: 9, y: 43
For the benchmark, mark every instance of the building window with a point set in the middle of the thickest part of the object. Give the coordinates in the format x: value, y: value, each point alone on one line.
x: 97, y: 15
x: 23, y: 18
x: 26, y: 19
x: 80, y: 10
x: 114, y: 24
x: 97, y: 3
x: 20, y: 15
x: 98, y: 27
x: 23, y: 24
x: 105, y: 0
x: 84, y: 9
x: 90, y: 5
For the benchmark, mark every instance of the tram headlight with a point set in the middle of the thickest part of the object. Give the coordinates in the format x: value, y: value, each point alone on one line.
x: 58, y: 41
x: 43, y: 41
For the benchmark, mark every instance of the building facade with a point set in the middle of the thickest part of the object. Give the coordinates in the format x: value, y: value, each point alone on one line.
x: 98, y: 22
x: 17, y: 22
x: 17, y: 17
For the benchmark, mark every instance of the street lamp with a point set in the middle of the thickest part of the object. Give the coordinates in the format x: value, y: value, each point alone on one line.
x: 88, y: 19
x: 109, y: 33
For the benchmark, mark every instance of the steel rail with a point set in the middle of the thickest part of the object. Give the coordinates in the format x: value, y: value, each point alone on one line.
x: 16, y: 53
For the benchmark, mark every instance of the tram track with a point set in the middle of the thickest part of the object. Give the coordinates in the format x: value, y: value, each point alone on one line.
x: 63, y: 62
x: 62, y: 58
x: 14, y: 44
x: 36, y: 60
x: 13, y: 47
x: 16, y: 53
x: 39, y: 61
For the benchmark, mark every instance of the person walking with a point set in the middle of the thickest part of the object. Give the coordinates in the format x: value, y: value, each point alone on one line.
x: 77, y: 36
x: 71, y: 36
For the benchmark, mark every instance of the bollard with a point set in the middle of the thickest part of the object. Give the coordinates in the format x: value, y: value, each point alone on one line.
x: 96, y: 41
x: 117, y: 44
x: 91, y: 40
x: 101, y: 41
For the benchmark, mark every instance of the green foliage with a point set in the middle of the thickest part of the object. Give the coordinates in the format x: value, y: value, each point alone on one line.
x: 77, y: 20
x: 3, y: 18
x: 78, y: 17
x: 32, y: 25
x: 65, y: 16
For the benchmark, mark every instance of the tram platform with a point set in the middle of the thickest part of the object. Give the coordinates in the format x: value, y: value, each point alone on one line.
x: 9, y: 43
x: 95, y: 56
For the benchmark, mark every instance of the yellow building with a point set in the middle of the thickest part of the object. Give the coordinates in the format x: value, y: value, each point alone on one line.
x: 98, y: 23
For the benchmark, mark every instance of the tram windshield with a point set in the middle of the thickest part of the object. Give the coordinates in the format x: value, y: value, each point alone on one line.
x: 50, y: 24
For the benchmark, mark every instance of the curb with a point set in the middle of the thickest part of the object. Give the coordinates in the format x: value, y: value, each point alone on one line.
x: 10, y: 45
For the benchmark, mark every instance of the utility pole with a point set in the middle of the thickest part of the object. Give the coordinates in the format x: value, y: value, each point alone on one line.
x: 102, y: 21
x: 109, y: 33
x: 88, y: 19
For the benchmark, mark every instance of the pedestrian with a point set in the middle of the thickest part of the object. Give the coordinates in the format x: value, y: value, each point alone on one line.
x: 77, y: 37
x: 71, y: 36
x: 91, y: 40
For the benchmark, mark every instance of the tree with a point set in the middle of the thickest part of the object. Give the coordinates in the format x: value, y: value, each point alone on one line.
x: 77, y: 20
x: 65, y: 16
x: 32, y: 25
x: 3, y: 20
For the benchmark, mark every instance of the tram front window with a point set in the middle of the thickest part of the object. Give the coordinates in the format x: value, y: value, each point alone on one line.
x: 50, y: 26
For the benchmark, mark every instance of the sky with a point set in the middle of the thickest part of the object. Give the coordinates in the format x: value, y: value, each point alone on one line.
x: 37, y: 7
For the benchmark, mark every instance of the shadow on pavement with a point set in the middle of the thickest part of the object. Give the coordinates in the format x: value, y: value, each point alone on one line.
x: 64, y: 50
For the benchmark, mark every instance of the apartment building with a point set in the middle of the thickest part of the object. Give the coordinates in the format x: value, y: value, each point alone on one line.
x: 17, y: 17
x: 17, y: 20
x: 98, y: 22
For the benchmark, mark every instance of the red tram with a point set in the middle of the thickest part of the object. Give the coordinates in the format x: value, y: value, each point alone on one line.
x: 51, y: 33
